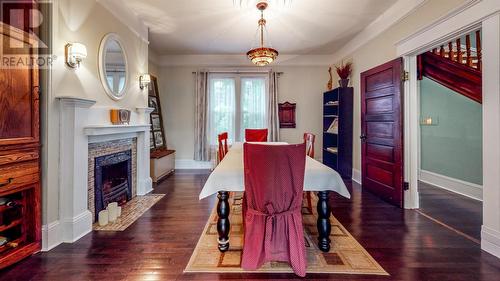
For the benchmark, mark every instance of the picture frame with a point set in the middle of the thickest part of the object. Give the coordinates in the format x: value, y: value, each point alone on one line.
x: 158, y: 140
x: 151, y: 140
x: 155, y: 122
x: 153, y: 103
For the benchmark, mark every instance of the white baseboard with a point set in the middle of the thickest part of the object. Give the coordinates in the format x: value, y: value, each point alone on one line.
x: 77, y: 227
x: 464, y: 188
x: 190, y: 164
x: 356, y: 175
x: 51, y: 236
x: 490, y: 241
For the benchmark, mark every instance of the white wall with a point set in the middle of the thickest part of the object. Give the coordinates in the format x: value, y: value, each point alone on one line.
x: 86, y: 22
x: 303, y: 85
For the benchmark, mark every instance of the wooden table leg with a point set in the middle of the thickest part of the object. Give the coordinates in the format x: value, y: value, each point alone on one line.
x: 324, y: 226
x: 223, y: 224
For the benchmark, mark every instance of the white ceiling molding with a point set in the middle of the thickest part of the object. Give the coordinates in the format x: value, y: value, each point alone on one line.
x: 127, y: 17
x: 446, y: 28
x: 389, y: 18
x: 241, y: 60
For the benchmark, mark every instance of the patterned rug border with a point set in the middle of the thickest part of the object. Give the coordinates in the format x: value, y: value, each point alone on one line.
x: 128, y: 218
x: 269, y: 269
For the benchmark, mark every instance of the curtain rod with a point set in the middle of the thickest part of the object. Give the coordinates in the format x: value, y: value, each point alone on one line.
x: 240, y: 72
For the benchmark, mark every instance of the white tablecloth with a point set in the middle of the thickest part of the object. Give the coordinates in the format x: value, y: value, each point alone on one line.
x: 228, y: 175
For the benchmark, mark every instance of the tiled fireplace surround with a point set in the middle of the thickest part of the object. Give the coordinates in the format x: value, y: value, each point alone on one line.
x: 85, y: 132
x: 99, y: 149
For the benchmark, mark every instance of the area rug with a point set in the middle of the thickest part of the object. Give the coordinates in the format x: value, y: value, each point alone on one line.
x: 345, y: 256
x: 131, y: 211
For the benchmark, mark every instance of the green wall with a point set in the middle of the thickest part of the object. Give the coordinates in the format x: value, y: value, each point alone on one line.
x: 453, y: 147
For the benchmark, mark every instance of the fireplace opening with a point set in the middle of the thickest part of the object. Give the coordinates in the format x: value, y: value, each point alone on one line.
x: 112, y: 180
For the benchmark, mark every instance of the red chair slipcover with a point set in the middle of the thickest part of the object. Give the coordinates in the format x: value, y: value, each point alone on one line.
x: 274, y: 180
x: 256, y: 135
x: 222, y: 145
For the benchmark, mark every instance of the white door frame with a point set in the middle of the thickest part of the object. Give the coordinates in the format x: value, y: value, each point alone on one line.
x: 473, y: 14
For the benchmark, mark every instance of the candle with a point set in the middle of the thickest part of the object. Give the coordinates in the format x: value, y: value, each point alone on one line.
x: 113, y: 211
x: 119, y: 211
x: 103, y: 218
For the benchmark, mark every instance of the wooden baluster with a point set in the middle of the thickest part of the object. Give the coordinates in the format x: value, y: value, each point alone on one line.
x: 459, y: 51
x: 479, y: 50
x: 450, y: 51
x: 441, y: 51
x: 435, y: 51
x: 468, y: 51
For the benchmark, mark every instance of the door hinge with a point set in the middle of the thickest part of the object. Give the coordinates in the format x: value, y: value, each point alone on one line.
x: 405, y: 76
x: 406, y: 185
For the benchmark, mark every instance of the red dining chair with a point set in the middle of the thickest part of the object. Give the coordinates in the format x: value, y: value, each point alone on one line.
x: 222, y: 145
x: 256, y: 135
x: 273, y: 231
x: 309, y: 141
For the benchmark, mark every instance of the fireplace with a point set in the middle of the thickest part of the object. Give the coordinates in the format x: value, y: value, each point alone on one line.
x: 113, y: 180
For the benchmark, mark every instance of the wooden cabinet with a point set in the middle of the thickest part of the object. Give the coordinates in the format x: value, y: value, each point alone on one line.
x: 20, y: 199
x: 338, y: 130
x: 162, y: 164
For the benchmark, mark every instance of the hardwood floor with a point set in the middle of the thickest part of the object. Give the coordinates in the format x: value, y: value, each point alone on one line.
x: 158, y: 246
x: 459, y: 212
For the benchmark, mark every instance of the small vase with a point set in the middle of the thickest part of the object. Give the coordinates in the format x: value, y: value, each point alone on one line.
x: 344, y: 83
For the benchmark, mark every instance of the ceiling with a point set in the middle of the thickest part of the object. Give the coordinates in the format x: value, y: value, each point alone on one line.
x: 192, y: 27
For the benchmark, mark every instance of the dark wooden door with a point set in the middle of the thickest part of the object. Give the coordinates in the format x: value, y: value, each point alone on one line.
x: 382, y: 131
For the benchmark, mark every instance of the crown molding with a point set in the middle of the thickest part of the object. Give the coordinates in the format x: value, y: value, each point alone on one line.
x: 127, y: 17
x: 397, y: 12
x: 241, y: 60
x: 448, y: 27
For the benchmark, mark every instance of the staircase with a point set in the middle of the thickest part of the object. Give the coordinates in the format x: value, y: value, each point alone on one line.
x: 456, y: 66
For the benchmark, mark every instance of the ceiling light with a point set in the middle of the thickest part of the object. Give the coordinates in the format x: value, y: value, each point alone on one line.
x: 275, y: 3
x: 262, y: 56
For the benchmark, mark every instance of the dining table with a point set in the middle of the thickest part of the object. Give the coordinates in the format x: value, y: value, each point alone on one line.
x: 228, y: 176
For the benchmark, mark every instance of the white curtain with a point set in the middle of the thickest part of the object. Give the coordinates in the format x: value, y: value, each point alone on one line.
x: 201, y: 143
x: 222, y: 107
x: 253, y: 104
x: 272, y: 108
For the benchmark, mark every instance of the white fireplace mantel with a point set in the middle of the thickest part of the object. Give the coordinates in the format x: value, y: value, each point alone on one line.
x: 100, y: 130
x: 76, y: 131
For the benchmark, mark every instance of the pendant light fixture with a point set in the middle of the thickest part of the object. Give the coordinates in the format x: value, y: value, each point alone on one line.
x: 262, y: 56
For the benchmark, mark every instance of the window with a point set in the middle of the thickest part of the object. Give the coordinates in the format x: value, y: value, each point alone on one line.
x: 235, y: 104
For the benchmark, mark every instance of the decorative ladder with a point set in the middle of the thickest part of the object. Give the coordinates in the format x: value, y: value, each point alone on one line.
x: 456, y: 66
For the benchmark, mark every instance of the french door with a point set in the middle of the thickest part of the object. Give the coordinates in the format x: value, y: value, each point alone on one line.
x: 236, y: 102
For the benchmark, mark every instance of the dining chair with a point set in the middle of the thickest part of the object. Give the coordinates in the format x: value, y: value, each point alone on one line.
x: 256, y: 135
x: 272, y: 216
x: 222, y: 146
x: 309, y: 139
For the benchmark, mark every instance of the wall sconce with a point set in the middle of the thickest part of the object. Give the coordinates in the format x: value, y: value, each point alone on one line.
x: 75, y: 53
x: 144, y: 81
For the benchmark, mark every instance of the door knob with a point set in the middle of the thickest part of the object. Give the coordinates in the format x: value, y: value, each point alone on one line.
x: 362, y: 137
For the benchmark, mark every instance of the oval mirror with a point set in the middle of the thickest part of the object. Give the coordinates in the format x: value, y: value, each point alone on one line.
x: 113, y: 66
